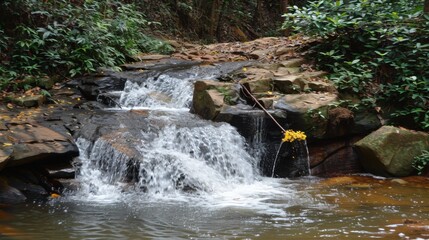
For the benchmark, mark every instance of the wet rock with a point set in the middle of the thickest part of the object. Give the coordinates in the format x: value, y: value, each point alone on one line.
x: 63, y: 174
x: 390, y: 151
x: 292, y: 160
x: 10, y: 195
x: 29, y: 189
x: 334, y: 157
x: 92, y: 86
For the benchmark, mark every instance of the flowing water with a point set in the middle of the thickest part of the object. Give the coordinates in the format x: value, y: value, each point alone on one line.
x: 194, y: 179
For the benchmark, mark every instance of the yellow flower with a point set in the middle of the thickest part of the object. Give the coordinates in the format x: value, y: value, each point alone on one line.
x: 290, y: 136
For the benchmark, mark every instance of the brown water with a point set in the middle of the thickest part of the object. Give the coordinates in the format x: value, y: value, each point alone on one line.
x: 339, y: 208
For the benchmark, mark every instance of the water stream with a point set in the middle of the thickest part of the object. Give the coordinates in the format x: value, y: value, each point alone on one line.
x: 181, y: 177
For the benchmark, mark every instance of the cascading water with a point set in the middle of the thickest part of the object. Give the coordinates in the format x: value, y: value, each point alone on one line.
x: 175, y: 154
x: 163, y: 91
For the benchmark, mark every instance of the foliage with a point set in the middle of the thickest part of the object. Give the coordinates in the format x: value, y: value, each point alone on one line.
x: 62, y: 37
x: 421, y: 161
x: 376, y: 49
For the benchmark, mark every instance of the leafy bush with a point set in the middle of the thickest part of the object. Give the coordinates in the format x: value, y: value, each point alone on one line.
x: 62, y: 37
x: 420, y: 162
x: 376, y: 49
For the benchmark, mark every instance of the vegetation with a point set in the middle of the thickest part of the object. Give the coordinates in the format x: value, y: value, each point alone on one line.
x: 69, y: 37
x: 421, y: 162
x: 377, y: 50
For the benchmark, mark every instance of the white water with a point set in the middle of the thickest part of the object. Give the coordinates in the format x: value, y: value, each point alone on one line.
x: 165, y: 91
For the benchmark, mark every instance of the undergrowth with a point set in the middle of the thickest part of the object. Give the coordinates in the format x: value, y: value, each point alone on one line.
x: 69, y: 38
x: 376, y: 50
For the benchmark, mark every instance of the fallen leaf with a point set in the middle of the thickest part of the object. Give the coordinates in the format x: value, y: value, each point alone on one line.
x: 55, y: 195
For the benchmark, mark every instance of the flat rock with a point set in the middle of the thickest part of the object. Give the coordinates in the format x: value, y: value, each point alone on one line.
x: 305, y: 102
x: 295, y: 62
x: 33, y: 142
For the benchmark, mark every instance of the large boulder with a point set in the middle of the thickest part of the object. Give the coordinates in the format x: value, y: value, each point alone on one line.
x: 390, y: 151
x: 308, y: 112
x: 210, y: 96
x: 25, y: 143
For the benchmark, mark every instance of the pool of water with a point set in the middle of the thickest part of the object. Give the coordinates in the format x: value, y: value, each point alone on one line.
x: 354, y: 207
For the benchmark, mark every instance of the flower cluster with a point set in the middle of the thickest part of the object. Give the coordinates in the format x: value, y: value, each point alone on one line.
x: 290, y: 136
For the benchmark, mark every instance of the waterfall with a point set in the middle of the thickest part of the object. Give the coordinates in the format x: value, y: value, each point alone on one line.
x: 174, y: 153
x: 203, y: 158
x: 163, y: 91
x: 257, y: 141
x: 184, y: 159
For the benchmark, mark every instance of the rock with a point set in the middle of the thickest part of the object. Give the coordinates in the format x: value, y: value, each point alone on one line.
x: 292, y: 160
x: 209, y: 97
x: 307, y: 112
x: 29, y: 189
x: 340, y: 122
x: 30, y: 101
x: 33, y: 142
x: 365, y: 122
x: 312, y: 75
x: 291, y: 63
x: 5, y: 156
x: 334, y: 157
x: 281, y: 71
x: 267, y: 102
x: 283, y: 50
x: 63, y: 174
x: 289, y: 84
x: 390, y: 151
x: 92, y: 86
x: 148, y: 57
x: 10, y: 195
x: 255, y: 73
x: 302, y: 82
x: 262, y: 53
x: 258, y: 86
x: 319, y: 86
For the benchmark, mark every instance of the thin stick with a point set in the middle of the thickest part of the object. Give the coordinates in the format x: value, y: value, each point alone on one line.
x: 262, y: 107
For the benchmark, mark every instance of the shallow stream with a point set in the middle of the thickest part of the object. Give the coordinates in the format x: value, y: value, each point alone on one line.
x: 196, y: 179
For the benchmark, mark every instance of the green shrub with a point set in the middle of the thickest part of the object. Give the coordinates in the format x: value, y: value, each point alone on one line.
x: 58, y: 37
x: 377, y: 49
x: 421, y: 161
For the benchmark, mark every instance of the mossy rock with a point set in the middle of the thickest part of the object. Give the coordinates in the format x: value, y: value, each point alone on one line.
x: 390, y: 151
